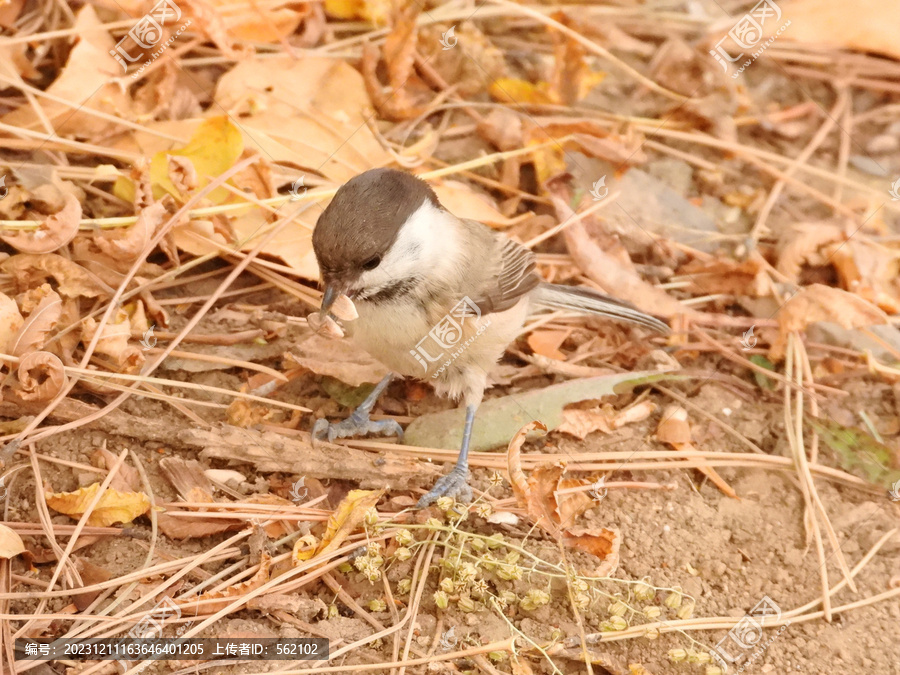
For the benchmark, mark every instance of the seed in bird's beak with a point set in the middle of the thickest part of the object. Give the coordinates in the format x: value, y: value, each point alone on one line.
x: 325, y: 326
x: 344, y: 309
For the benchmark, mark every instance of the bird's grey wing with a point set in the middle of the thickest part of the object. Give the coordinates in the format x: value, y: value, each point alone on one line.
x: 510, y: 276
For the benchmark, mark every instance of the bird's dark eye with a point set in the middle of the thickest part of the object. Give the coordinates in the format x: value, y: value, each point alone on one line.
x: 372, y: 263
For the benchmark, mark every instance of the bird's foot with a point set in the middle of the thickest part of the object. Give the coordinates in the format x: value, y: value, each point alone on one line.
x: 455, y: 484
x: 358, y: 424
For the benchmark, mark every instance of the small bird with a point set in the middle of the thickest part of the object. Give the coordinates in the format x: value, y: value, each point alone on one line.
x: 438, y: 298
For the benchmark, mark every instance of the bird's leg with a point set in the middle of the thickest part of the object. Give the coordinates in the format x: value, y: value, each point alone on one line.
x: 455, y: 484
x: 359, y: 424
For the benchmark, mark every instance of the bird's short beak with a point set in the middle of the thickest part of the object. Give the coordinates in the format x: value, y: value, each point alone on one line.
x: 332, y: 291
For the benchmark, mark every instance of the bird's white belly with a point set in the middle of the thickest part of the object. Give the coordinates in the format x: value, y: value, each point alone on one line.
x: 454, y: 355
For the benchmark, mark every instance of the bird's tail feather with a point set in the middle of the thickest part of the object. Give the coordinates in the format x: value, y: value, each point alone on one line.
x: 587, y: 301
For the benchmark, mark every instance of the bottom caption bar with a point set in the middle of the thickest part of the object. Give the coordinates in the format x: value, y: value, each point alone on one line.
x: 185, y: 649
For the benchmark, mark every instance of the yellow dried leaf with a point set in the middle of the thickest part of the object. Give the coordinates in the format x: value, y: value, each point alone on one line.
x: 376, y: 11
x: 213, y: 149
x: 346, y: 518
x: 513, y: 90
x: 113, y: 507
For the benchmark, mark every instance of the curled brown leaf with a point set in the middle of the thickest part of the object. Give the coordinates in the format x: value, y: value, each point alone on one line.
x: 131, y: 243
x: 72, y: 280
x: 41, y: 320
x: 516, y: 475
x: 41, y: 376
x: 113, y: 340
x: 55, y: 232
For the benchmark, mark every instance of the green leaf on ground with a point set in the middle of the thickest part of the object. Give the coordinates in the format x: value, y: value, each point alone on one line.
x: 859, y: 453
x: 498, y: 419
x: 763, y: 381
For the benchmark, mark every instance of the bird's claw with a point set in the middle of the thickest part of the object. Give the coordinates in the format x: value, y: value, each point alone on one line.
x: 355, y: 425
x: 455, y: 484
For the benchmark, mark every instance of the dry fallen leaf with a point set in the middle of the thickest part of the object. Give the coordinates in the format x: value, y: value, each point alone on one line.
x: 336, y: 358
x: 215, y: 601
x: 41, y: 376
x: 41, y: 320
x: 580, y: 423
x: 11, y: 543
x: 346, y: 518
x: 823, y: 303
x: 10, y: 322
x: 55, y: 232
x: 113, y: 507
x: 545, y: 497
x: 463, y: 202
x: 865, y: 25
x: 214, y: 147
x: 87, y: 80
x: 130, y: 242
x: 675, y: 430
x: 374, y: 11
x: 800, y: 244
x: 226, y: 21
x: 599, y: 266
x: 127, y: 478
x: 72, y: 280
x: 114, y: 340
